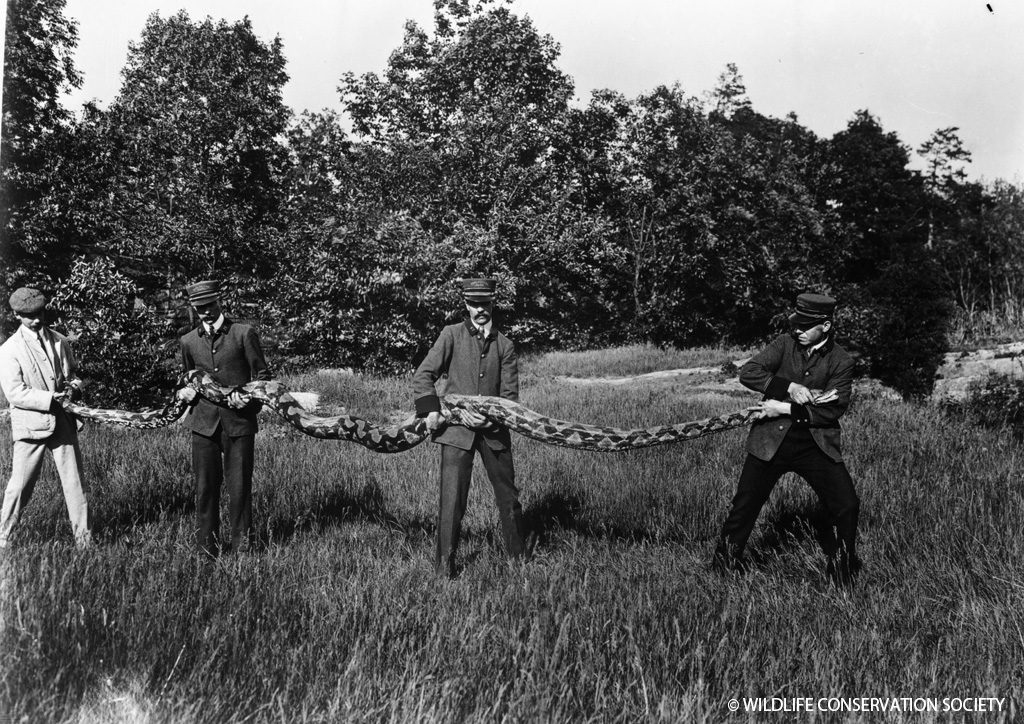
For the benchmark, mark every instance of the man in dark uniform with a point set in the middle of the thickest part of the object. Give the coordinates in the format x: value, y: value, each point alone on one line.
x: 223, y: 439
x: 478, y: 360
x: 806, y: 380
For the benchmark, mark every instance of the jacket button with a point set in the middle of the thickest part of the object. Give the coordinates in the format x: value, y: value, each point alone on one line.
x: 481, y: 374
x: 807, y: 373
x: 482, y: 356
x: 780, y: 427
x: 217, y: 369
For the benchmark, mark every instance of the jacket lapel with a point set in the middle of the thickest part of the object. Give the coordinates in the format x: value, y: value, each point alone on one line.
x: 61, y: 369
x: 31, y: 355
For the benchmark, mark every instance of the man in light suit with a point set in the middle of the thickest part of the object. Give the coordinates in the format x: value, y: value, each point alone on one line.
x: 37, y: 371
x: 223, y: 438
x: 478, y: 360
x: 798, y: 432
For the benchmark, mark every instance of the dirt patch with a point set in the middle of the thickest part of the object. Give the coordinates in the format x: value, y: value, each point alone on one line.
x: 659, y: 376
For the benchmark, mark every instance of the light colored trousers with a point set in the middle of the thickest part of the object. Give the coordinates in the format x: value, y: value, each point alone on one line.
x: 26, y: 465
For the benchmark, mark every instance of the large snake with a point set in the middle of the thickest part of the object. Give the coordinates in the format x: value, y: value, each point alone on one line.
x: 408, y: 434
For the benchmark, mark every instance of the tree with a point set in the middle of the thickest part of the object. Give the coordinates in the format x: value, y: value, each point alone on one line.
x: 38, y: 68
x: 460, y: 136
x: 126, y: 356
x: 729, y: 96
x: 890, y: 278
x: 864, y: 176
x: 713, y: 214
x: 944, y: 175
x: 982, y: 255
x: 193, y: 151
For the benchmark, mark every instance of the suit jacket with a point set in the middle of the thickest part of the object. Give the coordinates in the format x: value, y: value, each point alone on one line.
x: 771, y: 371
x: 232, y: 357
x: 474, y: 366
x: 29, y: 380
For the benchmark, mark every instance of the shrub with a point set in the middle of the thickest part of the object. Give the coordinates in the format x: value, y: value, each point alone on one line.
x: 898, y: 322
x: 994, y: 402
x: 125, y: 351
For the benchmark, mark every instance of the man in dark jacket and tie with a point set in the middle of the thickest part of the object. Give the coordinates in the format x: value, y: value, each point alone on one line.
x: 223, y: 438
x: 478, y: 360
x: 806, y: 379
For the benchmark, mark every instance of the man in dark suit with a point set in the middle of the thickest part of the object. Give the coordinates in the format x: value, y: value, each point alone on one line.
x: 223, y: 439
x: 478, y: 360
x: 806, y: 379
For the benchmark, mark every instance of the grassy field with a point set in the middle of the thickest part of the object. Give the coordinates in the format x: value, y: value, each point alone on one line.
x: 337, y: 616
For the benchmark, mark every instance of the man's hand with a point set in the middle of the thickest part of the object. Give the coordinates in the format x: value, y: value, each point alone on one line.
x: 800, y: 394
x: 237, y: 400
x: 433, y: 420
x: 187, y: 394
x: 826, y: 397
x: 74, y: 389
x: 475, y: 421
x: 771, y: 408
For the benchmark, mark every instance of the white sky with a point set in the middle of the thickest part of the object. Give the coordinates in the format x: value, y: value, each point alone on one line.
x: 918, y: 65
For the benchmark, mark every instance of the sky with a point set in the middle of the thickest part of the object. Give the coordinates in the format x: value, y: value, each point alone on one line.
x: 917, y: 65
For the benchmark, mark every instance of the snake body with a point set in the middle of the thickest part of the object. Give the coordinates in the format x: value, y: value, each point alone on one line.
x: 413, y: 431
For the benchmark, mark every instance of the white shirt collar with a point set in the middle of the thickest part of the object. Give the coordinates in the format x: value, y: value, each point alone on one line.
x: 818, y: 346
x: 217, y: 324
x: 486, y: 328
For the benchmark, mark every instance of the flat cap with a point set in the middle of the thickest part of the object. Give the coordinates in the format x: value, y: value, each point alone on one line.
x: 27, y: 300
x: 203, y: 292
x: 812, y: 309
x: 479, y: 289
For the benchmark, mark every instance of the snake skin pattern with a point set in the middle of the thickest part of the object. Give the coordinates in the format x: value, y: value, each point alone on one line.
x: 409, y: 434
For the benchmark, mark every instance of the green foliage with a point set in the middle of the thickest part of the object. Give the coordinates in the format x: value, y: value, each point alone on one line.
x: 353, y: 296
x: 38, y: 68
x: 978, y: 241
x: 945, y: 158
x: 880, y: 202
x: 459, y: 137
x: 897, y: 325
x: 659, y: 219
x: 913, y: 312
x: 125, y: 352
x: 713, y: 214
x: 190, y: 151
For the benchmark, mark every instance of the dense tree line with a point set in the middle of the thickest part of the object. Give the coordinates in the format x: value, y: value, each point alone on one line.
x: 666, y: 217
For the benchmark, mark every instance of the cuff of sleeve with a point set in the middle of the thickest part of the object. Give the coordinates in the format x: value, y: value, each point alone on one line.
x: 777, y: 389
x: 799, y: 415
x: 427, y: 404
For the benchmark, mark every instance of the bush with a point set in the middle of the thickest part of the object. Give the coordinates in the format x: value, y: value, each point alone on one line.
x: 126, y: 353
x: 898, y: 322
x: 995, y: 402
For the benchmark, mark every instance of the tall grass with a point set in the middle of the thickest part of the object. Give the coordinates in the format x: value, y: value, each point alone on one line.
x: 974, y: 329
x: 337, y: 616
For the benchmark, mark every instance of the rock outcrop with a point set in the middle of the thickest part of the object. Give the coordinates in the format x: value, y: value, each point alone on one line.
x: 959, y: 370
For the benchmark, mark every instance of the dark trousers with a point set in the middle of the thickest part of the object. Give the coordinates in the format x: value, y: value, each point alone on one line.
x: 830, y: 480
x: 456, y: 471
x: 216, y: 460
